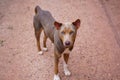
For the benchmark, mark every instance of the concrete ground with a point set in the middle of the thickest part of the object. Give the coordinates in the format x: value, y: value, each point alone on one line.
x: 96, y: 55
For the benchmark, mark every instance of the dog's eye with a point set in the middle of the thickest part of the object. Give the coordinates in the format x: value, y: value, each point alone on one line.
x: 71, y: 32
x: 63, y: 32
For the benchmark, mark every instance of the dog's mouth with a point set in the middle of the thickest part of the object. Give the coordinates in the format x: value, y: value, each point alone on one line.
x: 67, y: 46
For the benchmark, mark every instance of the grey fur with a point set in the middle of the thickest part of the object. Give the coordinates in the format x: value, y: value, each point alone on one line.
x: 44, y: 19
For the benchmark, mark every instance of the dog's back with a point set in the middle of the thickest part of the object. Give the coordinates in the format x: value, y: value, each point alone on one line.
x: 45, y: 20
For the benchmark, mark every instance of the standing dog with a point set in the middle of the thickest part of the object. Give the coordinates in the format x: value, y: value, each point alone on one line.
x: 61, y: 34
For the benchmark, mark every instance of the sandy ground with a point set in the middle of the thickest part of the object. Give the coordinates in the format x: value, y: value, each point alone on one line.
x: 96, y: 55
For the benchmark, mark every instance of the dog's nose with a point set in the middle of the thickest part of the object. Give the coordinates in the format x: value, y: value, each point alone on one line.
x: 67, y: 43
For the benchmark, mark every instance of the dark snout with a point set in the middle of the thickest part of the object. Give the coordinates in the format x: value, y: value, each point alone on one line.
x: 67, y: 43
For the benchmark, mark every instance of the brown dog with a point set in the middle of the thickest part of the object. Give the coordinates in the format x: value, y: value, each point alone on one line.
x: 61, y: 34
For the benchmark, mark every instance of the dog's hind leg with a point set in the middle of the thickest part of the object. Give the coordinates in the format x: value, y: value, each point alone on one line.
x: 38, y: 30
x: 44, y: 42
x: 37, y: 35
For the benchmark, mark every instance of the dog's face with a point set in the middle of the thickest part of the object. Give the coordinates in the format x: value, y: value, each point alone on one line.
x: 67, y: 32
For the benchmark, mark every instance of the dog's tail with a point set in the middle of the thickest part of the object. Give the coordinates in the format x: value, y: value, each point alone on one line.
x: 37, y: 9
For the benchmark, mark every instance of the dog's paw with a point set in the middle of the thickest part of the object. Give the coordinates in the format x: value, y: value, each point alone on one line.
x: 45, y: 49
x: 56, y: 77
x: 40, y: 52
x: 67, y: 72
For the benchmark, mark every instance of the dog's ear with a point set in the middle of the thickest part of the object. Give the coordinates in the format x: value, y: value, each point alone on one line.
x: 57, y: 25
x: 77, y: 23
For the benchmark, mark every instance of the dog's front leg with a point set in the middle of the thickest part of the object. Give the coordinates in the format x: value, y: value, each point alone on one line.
x: 66, y: 70
x: 56, y: 63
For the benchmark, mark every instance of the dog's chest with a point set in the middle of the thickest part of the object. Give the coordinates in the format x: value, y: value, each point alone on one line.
x: 66, y: 51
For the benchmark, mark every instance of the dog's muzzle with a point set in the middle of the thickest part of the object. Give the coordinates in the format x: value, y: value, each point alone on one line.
x: 67, y: 44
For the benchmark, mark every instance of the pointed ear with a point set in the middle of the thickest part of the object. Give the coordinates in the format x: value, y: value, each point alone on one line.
x: 77, y: 23
x: 57, y: 25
